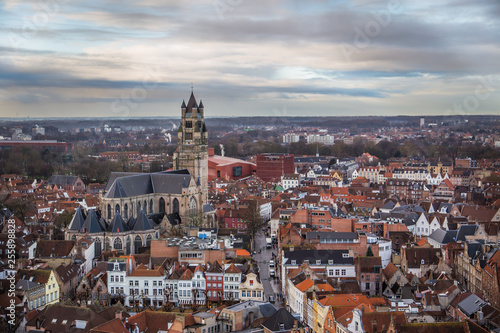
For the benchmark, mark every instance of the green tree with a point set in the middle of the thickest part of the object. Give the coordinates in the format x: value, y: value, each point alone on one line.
x: 369, y: 252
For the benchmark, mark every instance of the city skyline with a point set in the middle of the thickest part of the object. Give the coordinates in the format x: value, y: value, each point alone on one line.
x: 320, y: 58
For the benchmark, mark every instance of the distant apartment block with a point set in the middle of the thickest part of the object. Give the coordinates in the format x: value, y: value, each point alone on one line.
x: 290, y: 137
x: 325, y: 139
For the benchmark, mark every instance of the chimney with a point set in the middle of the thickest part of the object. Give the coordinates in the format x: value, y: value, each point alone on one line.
x: 374, y: 326
x: 119, y: 315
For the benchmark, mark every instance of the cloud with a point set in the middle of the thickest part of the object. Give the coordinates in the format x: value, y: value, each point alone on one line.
x: 88, y: 53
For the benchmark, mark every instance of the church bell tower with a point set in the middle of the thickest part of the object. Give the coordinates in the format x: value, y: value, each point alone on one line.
x: 192, y: 148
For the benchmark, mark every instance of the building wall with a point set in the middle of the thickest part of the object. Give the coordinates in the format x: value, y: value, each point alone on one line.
x: 274, y: 165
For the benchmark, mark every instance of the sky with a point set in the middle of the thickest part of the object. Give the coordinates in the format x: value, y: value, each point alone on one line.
x: 128, y: 58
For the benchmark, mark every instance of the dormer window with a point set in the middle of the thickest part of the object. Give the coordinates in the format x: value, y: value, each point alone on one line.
x: 330, y: 262
x: 318, y: 262
x: 345, y: 255
x: 294, y: 262
x: 117, y: 267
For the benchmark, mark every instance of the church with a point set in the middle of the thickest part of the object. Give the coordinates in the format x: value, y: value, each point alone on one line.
x: 178, y: 196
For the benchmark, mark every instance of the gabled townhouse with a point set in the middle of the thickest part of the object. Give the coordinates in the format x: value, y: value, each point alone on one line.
x: 186, y: 287
x: 67, y: 278
x: 251, y: 288
x: 47, y: 279
x: 369, y: 274
x: 418, y: 260
x: 232, y: 280
x: 199, y: 285
x: 444, y: 191
x: 117, y: 282
x: 31, y: 293
x: 215, y: 284
x: 422, y: 226
x: 437, y: 221
x: 392, y: 276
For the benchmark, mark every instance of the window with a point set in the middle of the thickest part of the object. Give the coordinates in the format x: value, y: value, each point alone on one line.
x: 131, y: 283
x: 112, y: 278
x: 344, y: 272
x: 189, y: 124
x: 367, y: 286
x: 189, y: 136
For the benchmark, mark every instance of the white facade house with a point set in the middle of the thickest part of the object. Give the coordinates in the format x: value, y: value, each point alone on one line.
x: 422, y: 227
x: 290, y: 181
x: 232, y: 280
x: 117, y: 274
x: 199, y: 285
x: 436, y: 179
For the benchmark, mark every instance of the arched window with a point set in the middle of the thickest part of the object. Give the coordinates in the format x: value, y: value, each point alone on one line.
x: 176, y: 206
x: 148, y: 241
x: 98, y: 247
x: 131, y: 209
x: 162, y: 205
x: 137, y: 243
x: 127, y: 245
x: 145, y: 206
x: 106, y: 244
x: 109, y: 211
x: 151, y: 206
x: 192, y: 206
x: 117, y: 244
x: 117, y: 209
x: 125, y: 211
x: 138, y: 208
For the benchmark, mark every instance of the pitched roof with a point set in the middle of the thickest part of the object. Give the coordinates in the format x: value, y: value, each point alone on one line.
x: 62, y: 180
x: 54, y: 248
x: 281, y: 320
x: 92, y: 224
x: 389, y: 270
x: 304, y: 285
x: 142, y: 222
x: 118, y: 224
x: 123, y: 185
x: 77, y: 220
x: 232, y: 269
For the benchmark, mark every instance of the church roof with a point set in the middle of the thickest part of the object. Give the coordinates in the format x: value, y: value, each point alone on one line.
x: 201, y: 104
x: 118, y: 224
x: 142, y: 222
x: 123, y: 185
x: 78, y: 220
x: 92, y: 224
x: 191, y: 103
x: 183, y: 106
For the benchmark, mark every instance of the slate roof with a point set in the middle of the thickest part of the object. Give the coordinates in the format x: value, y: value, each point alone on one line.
x: 471, y: 305
x: 142, y: 222
x: 92, y: 224
x: 67, y: 272
x: 77, y: 220
x: 124, y: 185
x: 441, y: 236
x: 23, y: 284
x: 118, y: 224
x: 466, y: 230
x: 323, y: 255
x: 62, y: 180
x: 280, y: 317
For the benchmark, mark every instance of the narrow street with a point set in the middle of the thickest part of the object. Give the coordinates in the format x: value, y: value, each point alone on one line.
x: 263, y: 256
